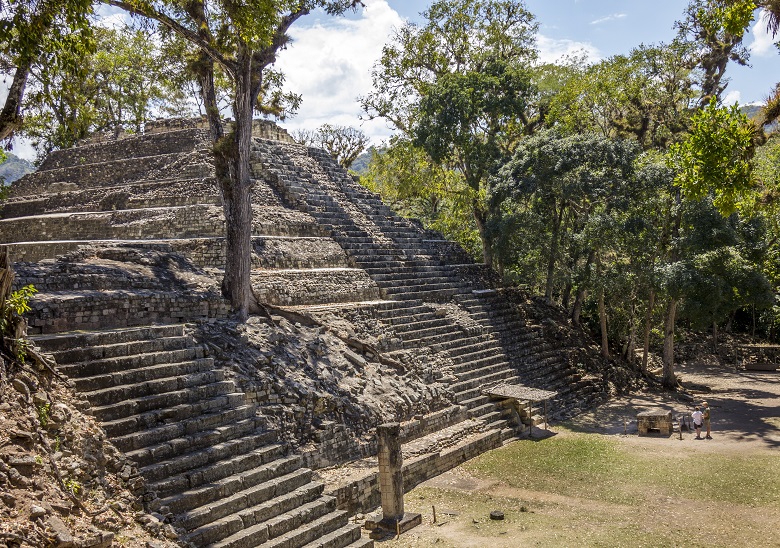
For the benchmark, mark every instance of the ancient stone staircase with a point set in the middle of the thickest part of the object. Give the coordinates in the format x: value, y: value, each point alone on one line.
x: 111, y: 244
x: 209, y: 463
x: 414, y: 268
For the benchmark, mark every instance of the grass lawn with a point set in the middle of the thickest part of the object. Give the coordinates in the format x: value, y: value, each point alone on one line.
x: 578, y: 489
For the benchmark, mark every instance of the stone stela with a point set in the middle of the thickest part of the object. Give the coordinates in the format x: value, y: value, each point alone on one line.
x: 391, y: 485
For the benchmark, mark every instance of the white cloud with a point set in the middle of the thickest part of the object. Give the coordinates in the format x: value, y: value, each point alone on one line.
x: 763, y: 44
x: 329, y: 64
x: 732, y: 98
x: 608, y: 18
x: 552, y: 50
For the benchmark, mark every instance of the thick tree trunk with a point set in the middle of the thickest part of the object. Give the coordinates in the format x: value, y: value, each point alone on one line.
x: 236, y: 194
x: 480, y: 217
x: 648, y: 323
x: 553, y: 256
x: 669, y: 381
x: 11, y: 117
x: 603, y: 324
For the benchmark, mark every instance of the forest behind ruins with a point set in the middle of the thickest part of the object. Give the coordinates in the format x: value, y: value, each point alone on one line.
x: 624, y: 190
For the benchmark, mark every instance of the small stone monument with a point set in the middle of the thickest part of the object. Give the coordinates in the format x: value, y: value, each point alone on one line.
x: 391, y: 485
x: 655, y: 420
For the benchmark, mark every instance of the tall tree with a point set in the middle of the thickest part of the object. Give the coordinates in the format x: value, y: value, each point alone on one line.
x: 716, y: 29
x: 458, y: 86
x: 243, y: 38
x: 29, y: 30
x: 344, y: 143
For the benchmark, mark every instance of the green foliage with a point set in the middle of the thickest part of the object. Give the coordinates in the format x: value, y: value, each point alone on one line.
x: 73, y: 486
x: 44, y: 411
x: 715, y: 29
x: 645, y: 95
x: 113, y: 88
x: 715, y: 158
x: 415, y: 187
x: 13, y: 308
x: 466, y: 119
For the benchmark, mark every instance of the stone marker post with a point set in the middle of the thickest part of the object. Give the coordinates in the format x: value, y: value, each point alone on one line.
x: 391, y: 479
x: 391, y: 486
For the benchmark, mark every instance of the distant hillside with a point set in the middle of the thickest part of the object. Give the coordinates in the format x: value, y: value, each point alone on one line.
x: 752, y: 111
x: 360, y: 165
x: 14, y: 168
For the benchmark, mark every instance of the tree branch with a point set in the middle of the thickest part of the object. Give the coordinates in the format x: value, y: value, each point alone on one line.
x: 175, y: 26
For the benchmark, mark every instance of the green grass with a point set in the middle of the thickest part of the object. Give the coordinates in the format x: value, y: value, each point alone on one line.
x: 581, y: 489
x: 600, y: 468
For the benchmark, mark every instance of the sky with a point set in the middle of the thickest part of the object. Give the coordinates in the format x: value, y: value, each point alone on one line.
x: 329, y: 61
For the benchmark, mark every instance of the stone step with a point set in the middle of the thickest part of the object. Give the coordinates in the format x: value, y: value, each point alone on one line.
x: 289, y: 529
x: 137, y: 146
x: 145, y: 223
x: 122, y: 363
x: 152, y: 388
x: 251, y: 485
x: 152, y: 429
x: 99, y: 352
x: 477, y: 351
x: 118, y: 170
x: 237, y: 425
x: 310, y: 523
x: 140, y: 194
x: 471, y: 389
x: 168, y: 400
x: 439, y: 293
x: 347, y: 536
x: 432, y: 340
x: 65, y: 342
x: 483, y: 368
x: 416, y: 324
x: 217, y: 520
x: 430, y: 332
x: 201, y: 457
x: 142, y: 375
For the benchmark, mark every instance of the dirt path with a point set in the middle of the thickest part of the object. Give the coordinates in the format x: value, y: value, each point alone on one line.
x: 745, y: 408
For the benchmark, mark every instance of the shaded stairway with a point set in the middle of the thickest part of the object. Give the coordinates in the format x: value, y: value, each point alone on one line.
x: 417, y: 268
x: 207, y: 459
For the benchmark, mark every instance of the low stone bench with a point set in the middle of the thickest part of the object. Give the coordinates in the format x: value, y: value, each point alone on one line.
x: 760, y: 367
x: 655, y: 420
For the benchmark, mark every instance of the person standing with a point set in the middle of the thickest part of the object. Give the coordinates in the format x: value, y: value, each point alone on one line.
x: 697, y: 417
x: 706, y: 418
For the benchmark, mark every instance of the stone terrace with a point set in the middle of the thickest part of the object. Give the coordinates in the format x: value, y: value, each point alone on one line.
x: 123, y: 240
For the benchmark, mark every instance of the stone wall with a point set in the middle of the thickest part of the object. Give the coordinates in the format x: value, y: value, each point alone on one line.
x: 131, y: 146
x: 181, y: 222
x: 362, y: 494
x: 313, y: 286
x: 154, y: 194
x: 290, y: 252
x: 102, y: 310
